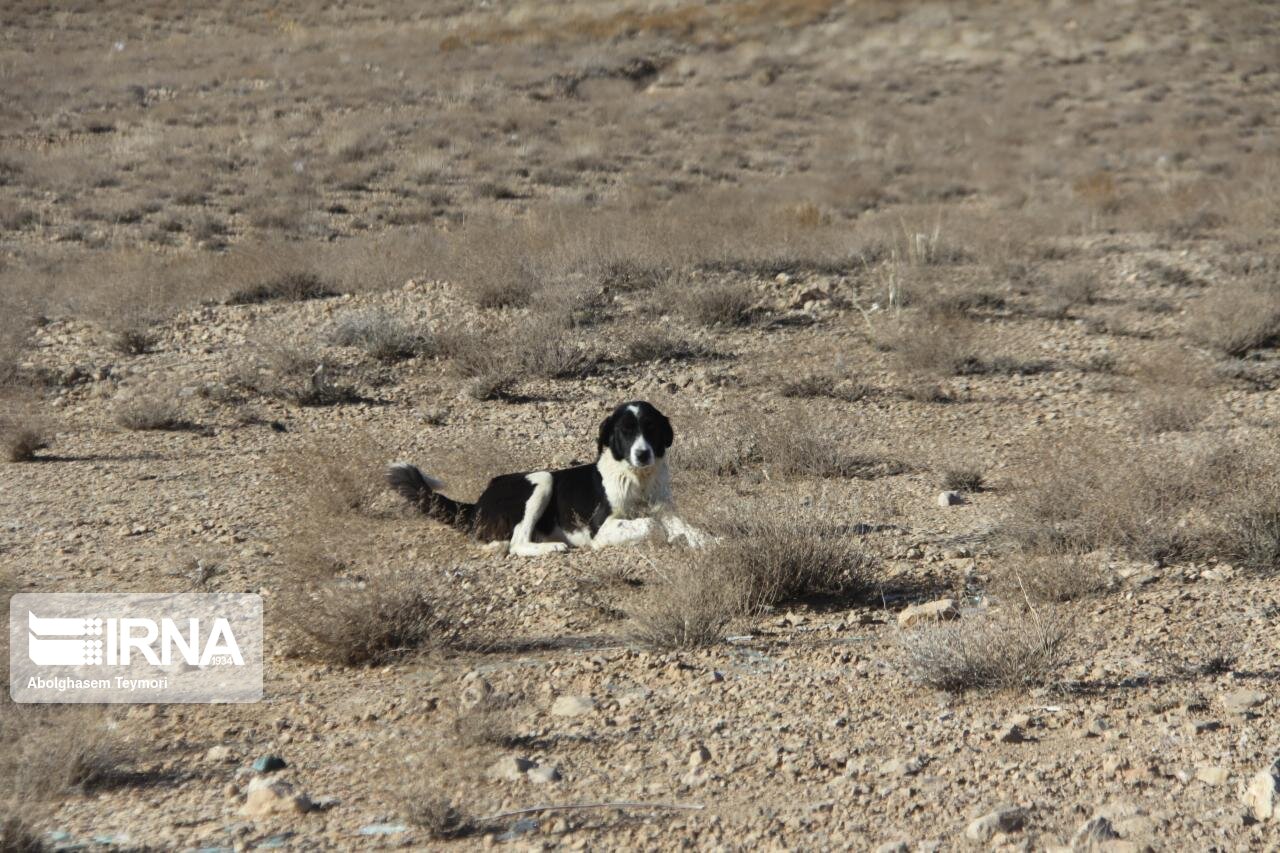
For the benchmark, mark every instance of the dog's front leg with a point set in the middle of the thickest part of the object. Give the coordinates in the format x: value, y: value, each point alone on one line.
x: 623, y: 531
x: 677, y: 528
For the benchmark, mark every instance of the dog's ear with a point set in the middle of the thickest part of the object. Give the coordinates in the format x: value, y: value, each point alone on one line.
x: 665, y: 434
x: 606, y: 433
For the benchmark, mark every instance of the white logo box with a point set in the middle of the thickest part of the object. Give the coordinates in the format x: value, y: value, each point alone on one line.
x: 135, y: 647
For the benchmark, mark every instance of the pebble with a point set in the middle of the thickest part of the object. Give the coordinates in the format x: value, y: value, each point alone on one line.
x: 543, y: 774
x: 269, y: 764
x: 572, y: 706
x: 933, y: 611
x: 1240, y: 701
x: 1093, y: 831
x: 1004, y: 819
x: 950, y: 498
x: 273, y: 798
x: 509, y: 769
x: 700, y: 756
x: 218, y: 754
x: 1212, y: 774
x: 1262, y: 797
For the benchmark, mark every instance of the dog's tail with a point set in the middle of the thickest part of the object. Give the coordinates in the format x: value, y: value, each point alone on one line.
x: 423, y: 492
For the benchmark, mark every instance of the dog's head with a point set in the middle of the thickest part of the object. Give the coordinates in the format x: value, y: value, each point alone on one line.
x: 636, y: 433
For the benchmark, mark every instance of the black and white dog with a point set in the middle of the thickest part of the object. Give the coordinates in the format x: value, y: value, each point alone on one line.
x: 623, y: 497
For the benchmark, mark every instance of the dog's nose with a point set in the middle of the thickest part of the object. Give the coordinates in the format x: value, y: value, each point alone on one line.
x: 644, y: 457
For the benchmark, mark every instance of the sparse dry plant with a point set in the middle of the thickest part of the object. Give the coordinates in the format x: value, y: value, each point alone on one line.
x: 794, y: 445
x: 48, y: 752
x: 382, y: 335
x: 23, y: 432
x: 1237, y: 317
x: 151, y: 412
x: 771, y: 558
x: 825, y: 385
x: 963, y: 478
x: 286, y: 286
x: 1173, y: 391
x: 1006, y: 650
x: 712, y: 303
x: 1052, y: 578
x: 656, y: 344
x: 687, y: 607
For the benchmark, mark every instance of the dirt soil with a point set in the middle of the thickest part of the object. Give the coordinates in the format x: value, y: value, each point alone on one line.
x: 1014, y: 150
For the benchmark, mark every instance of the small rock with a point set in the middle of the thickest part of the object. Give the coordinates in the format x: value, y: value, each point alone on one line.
x: 1262, y: 797
x: 1240, y: 701
x: 269, y: 764
x: 218, y: 754
x: 1093, y: 831
x: 950, y: 498
x: 475, y: 692
x: 274, y: 798
x: 933, y: 611
x: 894, y: 847
x: 1200, y: 727
x: 700, y: 756
x: 901, y: 767
x: 1113, y: 764
x: 1012, y: 733
x: 572, y: 706
x: 1212, y: 774
x: 509, y: 769
x: 543, y: 774
x: 1003, y: 820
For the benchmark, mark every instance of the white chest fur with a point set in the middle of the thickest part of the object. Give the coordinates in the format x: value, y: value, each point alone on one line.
x: 634, y: 492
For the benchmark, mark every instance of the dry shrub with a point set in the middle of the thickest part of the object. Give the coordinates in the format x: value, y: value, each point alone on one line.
x: 23, y: 431
x: 1052, y: 578
x: 134, y: 338
x: 1173, y: 393
x: 18, y: 835
x: 149, y: 412
x: 363, y: 620
x: 793, y: 445
x: 294, y: 285
x: 947, y: 345
x: 1164, y: 504
x: 297, y: 373
x: 382, y: 335
x: 712, y: 303
x: 571, y: 303
x: 687, y: 607
x: 336, y: 476
x: 425, y: 800
x: 1237, y: 317
x: 495, y: 361
x: 825, y: 385
x: 770, y: 558
x: 963, y: 478
x: 1006, y: 650
x: 656, y: 344
x: 49, y: 752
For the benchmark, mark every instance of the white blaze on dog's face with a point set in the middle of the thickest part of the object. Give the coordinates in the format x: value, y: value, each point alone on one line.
x: 636, y: 434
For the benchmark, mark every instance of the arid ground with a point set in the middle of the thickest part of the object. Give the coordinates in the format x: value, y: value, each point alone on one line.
x: 967, y: 316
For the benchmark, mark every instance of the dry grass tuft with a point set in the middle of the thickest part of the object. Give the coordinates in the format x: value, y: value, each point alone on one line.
x: 23, y: 432
x: 793, y: 445
x: 963, y: 479
x: 496, y: 361
x: 1164, y: 504
x: 1238, y: 317
x: 360, y: 619
x: 687, y: 607
x: 1052, y: 578
x: 289, y: 286
x: 18, y: 835
x: 147, y: 412
x: 712, y: 303
x: 770, y: 559
x: 296, y: 373
x: 999, y: 651
x: 382, y: 335
x: 49, y: 752
x: 425, y: 803
x: 1173, y: 391
x: 654, y: 344
x: 825, y: 385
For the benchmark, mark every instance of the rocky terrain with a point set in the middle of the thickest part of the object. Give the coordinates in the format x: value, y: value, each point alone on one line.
x: 974, y: 303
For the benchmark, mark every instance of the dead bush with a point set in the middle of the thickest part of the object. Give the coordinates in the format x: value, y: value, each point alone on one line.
x: 497, y: 360
x: 134, y: 339
x: 297, y: 373
x: 963, y: 478
x: 714, y: 303
x: 361, y: 619
x: 1051, y: 578
x: 572, y: 304
x: 336, y: 476
x: 1007, y: 650
x: 655, y: 344
x: 149, y: 412
x: 1237, y: 317
x: 426, y: 803
x: 939, y: 346
x: 382, y: 335
x: 18, y: 835
x: 687, y: 607
x: 1173, y: 391
x: 825, y: 385
x: 1164, y: 504
x: 287, y: 286
x: 794, y: 445
x: 770, y: 558
x: 23, y: 432
x: 49, y: 752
